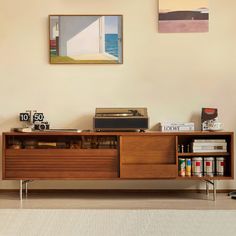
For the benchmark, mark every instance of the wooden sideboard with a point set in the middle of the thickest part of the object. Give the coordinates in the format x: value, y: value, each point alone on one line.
x: 105, y: 155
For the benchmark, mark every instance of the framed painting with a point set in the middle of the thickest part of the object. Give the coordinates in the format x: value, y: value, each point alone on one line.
x: 183, y: 16
x: 86, y: 39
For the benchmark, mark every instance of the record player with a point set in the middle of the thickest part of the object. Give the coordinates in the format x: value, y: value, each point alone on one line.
x: 121, y: 119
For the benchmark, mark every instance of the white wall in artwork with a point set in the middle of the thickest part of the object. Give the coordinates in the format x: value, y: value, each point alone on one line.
x: 79, y: 35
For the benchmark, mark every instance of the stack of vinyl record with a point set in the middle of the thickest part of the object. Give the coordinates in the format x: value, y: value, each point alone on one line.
x: 209, y: 145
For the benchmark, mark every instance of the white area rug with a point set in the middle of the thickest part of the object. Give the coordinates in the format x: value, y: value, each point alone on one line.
x: 30, y: 222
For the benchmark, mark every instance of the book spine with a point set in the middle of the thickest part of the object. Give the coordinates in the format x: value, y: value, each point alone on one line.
x: 177, y: 129
x: 200, y: 151
x: 209, y: 148
x: 209, y: 144
x: 176, y: 124
x: 209, y: 141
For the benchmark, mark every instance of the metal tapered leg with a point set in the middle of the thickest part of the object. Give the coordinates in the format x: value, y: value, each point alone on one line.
x: 26, y: 188
x: 207, y: 189
x: 213, y: 183
x: 21, y: 188
x: 214, y: 190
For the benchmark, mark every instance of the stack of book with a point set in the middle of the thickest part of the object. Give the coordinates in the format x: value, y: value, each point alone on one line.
x: 209, y: 145
x: 177, y: 126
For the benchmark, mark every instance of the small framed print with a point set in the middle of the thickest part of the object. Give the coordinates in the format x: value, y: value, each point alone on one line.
x: 86, y: 39
x: 183, y: 16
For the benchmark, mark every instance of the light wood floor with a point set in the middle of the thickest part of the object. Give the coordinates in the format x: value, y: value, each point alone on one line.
x: 117, y: 200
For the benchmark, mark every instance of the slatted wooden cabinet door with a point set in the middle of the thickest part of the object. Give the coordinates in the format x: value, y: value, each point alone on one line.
x: 148, y: 157
x: 61, y: 164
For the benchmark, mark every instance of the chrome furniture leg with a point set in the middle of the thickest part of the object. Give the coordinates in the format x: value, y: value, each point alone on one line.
x: 26, y: 189
x: 214, y: 190
x: 21, y: 189
x: 26, y: 186
x: 24, y: 183
x: 213, y: 183
x: 207, y: 189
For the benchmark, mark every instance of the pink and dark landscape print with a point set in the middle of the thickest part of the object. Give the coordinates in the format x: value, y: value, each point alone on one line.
x: 183, y: 16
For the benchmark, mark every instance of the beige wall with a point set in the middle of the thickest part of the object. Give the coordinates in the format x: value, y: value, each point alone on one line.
x: 174, y: 75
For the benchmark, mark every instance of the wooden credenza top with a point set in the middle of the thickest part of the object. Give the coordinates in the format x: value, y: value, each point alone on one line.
x: 117, y: 133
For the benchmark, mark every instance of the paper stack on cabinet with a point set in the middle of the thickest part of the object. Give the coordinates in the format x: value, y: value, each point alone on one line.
x: 209, y: 145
